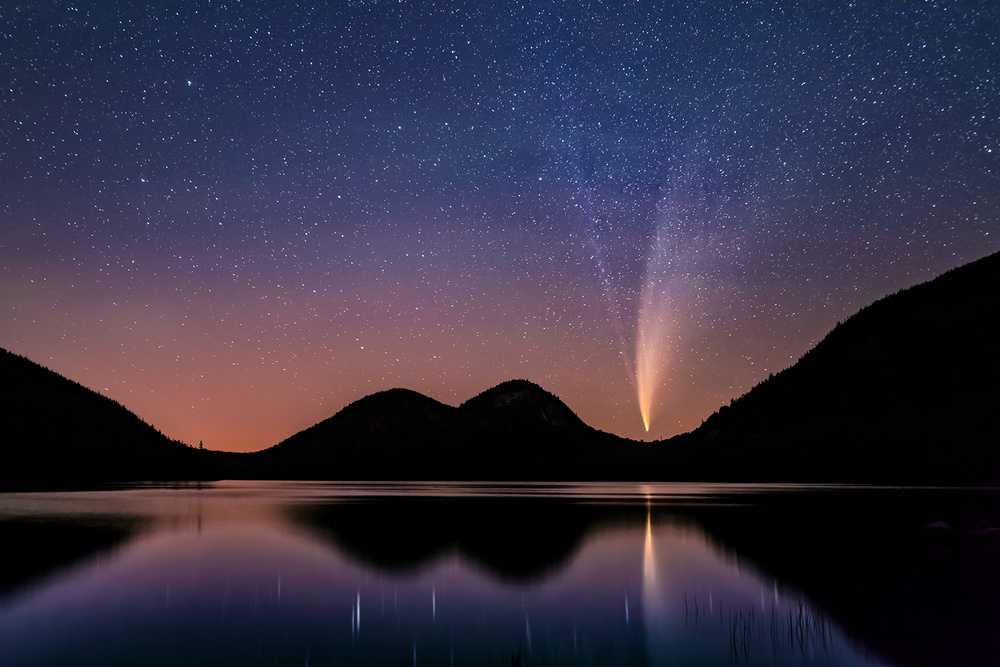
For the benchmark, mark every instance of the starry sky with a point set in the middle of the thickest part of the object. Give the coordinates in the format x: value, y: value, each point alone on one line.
x: 236, y: 217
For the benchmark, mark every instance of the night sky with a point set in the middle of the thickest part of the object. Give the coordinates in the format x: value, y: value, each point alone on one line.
x: 237, y: 217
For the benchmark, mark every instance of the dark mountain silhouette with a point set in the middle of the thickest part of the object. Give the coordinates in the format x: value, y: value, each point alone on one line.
x: 906, y: 390
x: 59, y: 434
x: 515, y: 430
x: 516, y: 406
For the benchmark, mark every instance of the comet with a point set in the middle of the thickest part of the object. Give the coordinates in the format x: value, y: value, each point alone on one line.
x: 653, y: 330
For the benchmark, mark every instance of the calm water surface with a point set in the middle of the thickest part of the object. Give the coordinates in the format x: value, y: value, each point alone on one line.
x: 292, y: 573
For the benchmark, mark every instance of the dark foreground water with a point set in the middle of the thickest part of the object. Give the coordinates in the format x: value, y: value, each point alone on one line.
x: 292, y: 573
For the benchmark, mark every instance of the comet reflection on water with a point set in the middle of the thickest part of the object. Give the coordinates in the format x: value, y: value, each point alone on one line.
x: 283, y: 573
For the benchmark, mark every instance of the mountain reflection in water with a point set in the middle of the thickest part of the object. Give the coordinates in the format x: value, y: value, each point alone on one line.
x: 301, y: 573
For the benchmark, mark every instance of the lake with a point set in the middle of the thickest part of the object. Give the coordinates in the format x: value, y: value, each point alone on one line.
x: 300, y: 573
